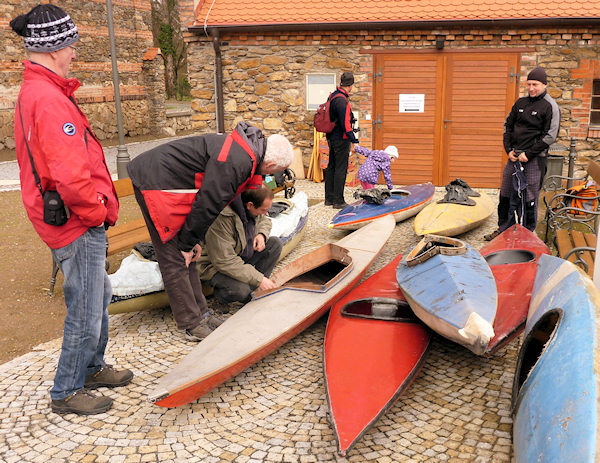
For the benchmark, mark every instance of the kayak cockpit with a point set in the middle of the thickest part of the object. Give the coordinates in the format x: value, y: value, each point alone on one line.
x: 400, y: 193
x: 379, y: 308
x: 431, y: 245
x: 510, y: 256
x: 534, y: 346
x: 317, y: 271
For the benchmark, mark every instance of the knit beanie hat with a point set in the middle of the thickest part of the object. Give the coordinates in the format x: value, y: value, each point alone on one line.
x: 392, y: 151
x: 347, y: 79
x: 538, y: 74
x: 46, y: 28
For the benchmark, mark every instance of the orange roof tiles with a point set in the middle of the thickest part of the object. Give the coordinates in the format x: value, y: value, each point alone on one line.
x: 273, y: 12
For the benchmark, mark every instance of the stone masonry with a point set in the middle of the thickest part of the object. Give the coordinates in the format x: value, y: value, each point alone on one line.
x: 139, y: 88
x: 264, y: 74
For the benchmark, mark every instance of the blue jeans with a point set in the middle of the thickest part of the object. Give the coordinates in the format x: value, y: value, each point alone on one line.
x: 87, y: 294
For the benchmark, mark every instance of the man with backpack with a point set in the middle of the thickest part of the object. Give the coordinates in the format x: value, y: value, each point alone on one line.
x: 339, y: 140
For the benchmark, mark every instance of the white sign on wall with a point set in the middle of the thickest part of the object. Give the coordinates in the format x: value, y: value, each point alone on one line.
x: 318, y: 88
x: 412, y: 102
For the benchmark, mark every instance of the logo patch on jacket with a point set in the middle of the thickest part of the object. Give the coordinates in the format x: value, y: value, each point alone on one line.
x: 69, y: 129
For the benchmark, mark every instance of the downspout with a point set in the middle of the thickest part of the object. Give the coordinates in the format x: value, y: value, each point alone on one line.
x: 219, y: 107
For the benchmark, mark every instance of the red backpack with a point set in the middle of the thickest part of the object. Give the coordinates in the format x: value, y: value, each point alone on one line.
x: 322, y: 117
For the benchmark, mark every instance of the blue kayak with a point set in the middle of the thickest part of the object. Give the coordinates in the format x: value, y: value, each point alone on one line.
x: 404, y: 202
x: 555, y: 390
x: 451, y: 288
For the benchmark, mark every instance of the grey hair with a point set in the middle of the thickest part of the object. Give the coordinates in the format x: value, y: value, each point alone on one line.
x: 279, y: 150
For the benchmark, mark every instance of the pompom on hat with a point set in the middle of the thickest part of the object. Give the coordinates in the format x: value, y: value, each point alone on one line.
x: 538, y: 74
x: 46, y: 28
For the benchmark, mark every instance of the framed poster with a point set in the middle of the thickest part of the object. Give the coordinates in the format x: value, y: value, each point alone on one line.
x: 318, y: 88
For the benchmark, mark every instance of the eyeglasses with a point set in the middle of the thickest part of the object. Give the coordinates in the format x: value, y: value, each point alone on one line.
x: 73, y: 48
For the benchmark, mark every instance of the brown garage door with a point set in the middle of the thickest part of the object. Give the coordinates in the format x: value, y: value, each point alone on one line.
x: 445, y: 113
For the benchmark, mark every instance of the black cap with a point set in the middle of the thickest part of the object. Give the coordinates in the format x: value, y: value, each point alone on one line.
x: 347, y: 79
x: 538, y: 74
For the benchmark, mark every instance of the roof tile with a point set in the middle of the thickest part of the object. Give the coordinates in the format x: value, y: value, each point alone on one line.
x: 273, y: 12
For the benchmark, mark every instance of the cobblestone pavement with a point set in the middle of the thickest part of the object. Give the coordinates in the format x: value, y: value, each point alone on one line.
x: 457, y: 410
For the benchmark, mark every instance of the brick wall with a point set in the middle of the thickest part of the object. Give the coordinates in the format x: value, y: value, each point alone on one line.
x: 133, y: 33
x: 264, y: 73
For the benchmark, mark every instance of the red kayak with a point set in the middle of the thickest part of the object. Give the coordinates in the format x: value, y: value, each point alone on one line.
x: 513, y: 257
x: 374, y: 348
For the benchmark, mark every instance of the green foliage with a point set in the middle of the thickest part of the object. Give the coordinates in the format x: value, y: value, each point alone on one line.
x: 184, y: 89
x: 165, y: 40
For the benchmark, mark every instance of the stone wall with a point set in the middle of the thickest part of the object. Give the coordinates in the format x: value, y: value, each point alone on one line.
x: 179, y: 121
x: 140, y: 90
x: 264, y: 74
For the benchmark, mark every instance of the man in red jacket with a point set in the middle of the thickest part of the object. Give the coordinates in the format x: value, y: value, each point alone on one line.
x: 181, y: 187
x: 61, y: 161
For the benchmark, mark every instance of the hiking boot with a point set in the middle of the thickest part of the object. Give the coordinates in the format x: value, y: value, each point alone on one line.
x: 341, y: 205
x: 214, y: 321
x: 491, y: 236
x: 82, y: 402
x: 199, y: 333
x: 108, y: 376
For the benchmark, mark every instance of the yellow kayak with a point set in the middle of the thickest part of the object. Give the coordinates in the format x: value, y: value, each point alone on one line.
x: 453, y: 219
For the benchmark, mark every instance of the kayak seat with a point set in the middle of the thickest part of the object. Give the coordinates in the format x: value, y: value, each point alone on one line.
x: 379, y: 308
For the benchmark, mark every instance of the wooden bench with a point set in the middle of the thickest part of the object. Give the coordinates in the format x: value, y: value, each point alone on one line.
x: 574, y: 235
x: 120, y: 237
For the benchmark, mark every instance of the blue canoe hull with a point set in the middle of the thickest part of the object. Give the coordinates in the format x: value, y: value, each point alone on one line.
x: 405, y: 202
x: 555, y: 391
x: 454, y: 295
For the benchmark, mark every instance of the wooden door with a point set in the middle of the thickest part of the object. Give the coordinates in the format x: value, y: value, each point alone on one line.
x: 459, y: 133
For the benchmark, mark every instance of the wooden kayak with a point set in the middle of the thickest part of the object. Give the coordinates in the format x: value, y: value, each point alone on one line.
x: 453, y: 219
x: 451, y: 288
x: 290, y: 227
x: 306, y: 289
x: 555, y: 391
x: 513, y: 257
x: 404, y: 202
x: 374, y: 347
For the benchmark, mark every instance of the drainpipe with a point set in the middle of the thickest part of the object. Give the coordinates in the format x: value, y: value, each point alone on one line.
x: 219, y: 108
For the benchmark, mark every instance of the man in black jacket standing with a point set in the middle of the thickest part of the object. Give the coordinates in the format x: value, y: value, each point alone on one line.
x: 530, y: 128
x: 339, y: 140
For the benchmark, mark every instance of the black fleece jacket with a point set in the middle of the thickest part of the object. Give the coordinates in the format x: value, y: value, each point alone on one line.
x: 532, y: 125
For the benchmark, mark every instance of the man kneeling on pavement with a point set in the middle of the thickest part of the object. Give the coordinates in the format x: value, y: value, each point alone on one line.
x: 239, y: 256
x: 181, y: 187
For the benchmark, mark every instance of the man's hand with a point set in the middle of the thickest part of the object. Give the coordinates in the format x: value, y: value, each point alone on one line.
x: 259, y: 242
x: 522, y: 157
x: 192, y: 256
x: 267, y: 284
x: 513, y: 156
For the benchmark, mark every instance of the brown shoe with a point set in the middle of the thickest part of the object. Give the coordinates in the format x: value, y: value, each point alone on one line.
x: 341, y: 205
x: 491, y: 236
x: 82, y: 402
x: 198, y: 333
x: 108, y: 376
x: 214, y: 320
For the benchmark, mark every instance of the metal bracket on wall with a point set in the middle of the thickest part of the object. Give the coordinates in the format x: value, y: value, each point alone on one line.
x: 378, y: 74
x: 512, y: 74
